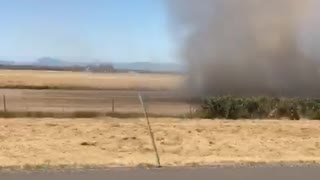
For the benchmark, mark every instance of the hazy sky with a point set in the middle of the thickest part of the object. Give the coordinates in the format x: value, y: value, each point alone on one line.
x: 110, y: 30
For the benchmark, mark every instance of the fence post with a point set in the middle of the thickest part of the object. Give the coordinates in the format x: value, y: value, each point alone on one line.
x: 4, y: 104
x: 112, y: 105
x: 150, y: 130
x: 190, y: 109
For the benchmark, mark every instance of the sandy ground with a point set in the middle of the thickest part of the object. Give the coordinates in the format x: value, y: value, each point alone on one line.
x: 83, y: 80
x: 115, y: 142
x: 158, y: 102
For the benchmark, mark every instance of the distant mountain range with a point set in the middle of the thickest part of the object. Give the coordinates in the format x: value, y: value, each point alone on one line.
x: 130, y: 66
x: 3, y: 62
x: 47, y: 61
x: 149, y: 66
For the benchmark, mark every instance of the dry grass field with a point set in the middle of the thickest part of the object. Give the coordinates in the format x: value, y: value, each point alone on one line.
x: 116, y: 142
x: 50, y: 142
x: 60, y: 101
x: 82, y: 80
x: 63, y: 91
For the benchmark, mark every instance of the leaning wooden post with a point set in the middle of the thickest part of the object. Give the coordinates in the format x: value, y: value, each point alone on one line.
x: 150, y: 131
x: 112, y: 105
x: 4, y: 104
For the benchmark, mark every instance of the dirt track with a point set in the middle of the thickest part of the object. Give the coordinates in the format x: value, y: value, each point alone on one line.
x: 159, y: 102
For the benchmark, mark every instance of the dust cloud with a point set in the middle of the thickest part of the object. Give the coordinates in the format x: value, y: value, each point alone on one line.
x: 249, y: 47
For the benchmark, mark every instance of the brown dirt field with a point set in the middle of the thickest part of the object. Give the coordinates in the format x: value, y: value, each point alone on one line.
x: 58, y: 101
x: 83, y: 80
x: 63, y: 91
x: 115, y: 142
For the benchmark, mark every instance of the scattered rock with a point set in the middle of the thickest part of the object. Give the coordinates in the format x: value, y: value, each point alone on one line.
x: 51, y: 124
x: 127, y: 138
x: 88, y: 143
x: 160, y: 139
x: 115, y: 125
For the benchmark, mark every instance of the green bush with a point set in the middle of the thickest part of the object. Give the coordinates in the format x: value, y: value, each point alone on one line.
x: 228, y: 107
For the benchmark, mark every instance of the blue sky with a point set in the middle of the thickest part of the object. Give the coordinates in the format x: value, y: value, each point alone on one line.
x: 109, y: 30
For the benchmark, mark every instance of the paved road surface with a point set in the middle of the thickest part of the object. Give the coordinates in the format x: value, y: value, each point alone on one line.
x: 243, y: 173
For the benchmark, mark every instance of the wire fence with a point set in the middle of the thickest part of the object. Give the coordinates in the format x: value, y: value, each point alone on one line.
x: 161, y: 105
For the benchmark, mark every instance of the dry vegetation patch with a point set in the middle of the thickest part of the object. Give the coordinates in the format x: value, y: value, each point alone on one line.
x: 116, y: 142
x: 82, y: 80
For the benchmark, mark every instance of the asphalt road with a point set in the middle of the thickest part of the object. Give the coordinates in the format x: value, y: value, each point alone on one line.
x: 226, y: 173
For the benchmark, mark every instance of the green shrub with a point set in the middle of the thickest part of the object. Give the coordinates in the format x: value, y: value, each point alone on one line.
x: 228, y: 107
